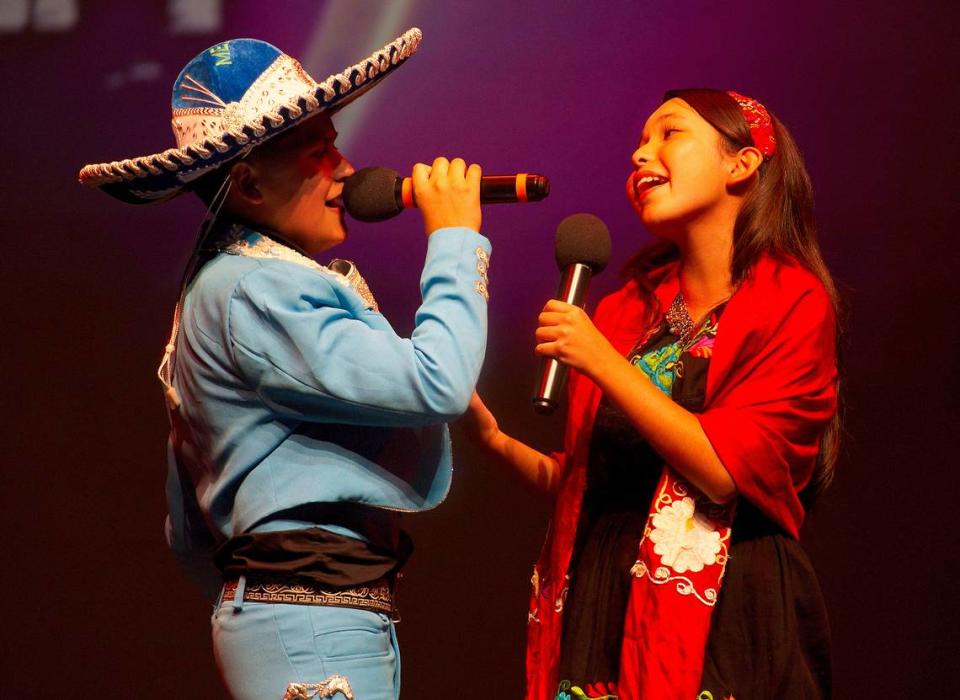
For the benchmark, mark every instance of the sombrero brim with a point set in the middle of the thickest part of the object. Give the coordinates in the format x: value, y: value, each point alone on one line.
x: 162, y: 176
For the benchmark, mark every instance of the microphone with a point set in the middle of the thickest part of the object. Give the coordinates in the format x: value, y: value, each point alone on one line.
x: 582, y: 250
x: 378, y: 194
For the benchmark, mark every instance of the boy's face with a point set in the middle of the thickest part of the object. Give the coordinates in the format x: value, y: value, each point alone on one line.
x: 299, y: 176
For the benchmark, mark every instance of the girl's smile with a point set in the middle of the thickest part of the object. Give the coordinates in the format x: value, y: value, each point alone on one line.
x: 643, y: 182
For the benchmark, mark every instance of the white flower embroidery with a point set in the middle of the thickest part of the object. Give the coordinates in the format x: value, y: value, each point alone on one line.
x: 684, y: 539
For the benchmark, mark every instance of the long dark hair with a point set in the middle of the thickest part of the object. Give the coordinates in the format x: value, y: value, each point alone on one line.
x: 776, y: 219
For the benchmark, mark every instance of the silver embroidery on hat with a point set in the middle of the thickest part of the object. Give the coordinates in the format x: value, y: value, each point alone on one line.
x: 188, y: 124
x: 283, y: 79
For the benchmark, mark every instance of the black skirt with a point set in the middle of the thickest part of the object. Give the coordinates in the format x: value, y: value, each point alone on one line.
x: 769, y: 636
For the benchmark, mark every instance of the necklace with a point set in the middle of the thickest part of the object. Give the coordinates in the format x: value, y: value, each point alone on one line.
x: 678, y: 319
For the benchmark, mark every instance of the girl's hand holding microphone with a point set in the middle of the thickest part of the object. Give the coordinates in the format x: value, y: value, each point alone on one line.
x: 567, y: 334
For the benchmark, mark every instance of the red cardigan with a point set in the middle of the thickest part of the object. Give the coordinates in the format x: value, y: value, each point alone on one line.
x: 771, y: 390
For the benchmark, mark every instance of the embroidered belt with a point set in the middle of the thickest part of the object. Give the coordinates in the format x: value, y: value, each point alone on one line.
x: 375, y: 596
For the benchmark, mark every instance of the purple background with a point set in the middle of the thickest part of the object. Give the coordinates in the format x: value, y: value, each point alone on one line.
x: 93, y: 604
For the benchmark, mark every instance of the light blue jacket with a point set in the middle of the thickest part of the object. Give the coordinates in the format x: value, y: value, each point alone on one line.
x: 295, y: 392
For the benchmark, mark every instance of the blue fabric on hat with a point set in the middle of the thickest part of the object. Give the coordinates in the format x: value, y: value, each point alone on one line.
x: 227, y: 70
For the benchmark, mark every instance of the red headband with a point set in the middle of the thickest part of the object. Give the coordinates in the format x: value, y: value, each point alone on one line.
x: 758, y: 119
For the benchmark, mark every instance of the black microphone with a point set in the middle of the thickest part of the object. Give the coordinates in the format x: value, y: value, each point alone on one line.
x: 378, y: 194
x: 582, y: 250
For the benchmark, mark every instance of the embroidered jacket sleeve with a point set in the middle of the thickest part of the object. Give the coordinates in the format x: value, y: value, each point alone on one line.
x: 307, y: 354
x: 774, y: 390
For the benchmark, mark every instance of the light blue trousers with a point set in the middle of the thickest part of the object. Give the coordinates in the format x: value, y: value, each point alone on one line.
x: 261, y: 648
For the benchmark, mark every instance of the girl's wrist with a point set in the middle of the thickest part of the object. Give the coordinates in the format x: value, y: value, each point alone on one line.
x: 605, y: 367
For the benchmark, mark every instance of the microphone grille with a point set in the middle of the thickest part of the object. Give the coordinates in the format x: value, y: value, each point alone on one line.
x: 370, y: 194
x: 583, y: 238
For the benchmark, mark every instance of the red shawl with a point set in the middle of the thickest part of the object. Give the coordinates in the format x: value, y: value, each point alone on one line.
x: 770, y: 392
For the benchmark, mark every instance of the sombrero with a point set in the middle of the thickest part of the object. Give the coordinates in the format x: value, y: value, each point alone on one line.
x: 230, y: 98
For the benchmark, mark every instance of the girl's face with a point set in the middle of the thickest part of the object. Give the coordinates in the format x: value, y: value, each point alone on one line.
x: 681, y: 169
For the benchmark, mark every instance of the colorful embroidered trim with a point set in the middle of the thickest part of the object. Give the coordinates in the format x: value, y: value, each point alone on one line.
x: 589, y: 691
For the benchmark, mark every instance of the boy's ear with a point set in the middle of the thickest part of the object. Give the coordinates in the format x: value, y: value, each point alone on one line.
x: 744, y: 164
x: 244, y: 178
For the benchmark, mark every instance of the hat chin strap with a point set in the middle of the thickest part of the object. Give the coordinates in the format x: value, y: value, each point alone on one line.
x: 165, y: 370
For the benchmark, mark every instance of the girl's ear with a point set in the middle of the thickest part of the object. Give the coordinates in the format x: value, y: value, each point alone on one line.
x: 244, y: 178
x: 744, y: 164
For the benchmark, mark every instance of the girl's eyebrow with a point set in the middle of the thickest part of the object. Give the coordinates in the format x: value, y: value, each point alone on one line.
x: 662, y: 117
x: 669, y: 115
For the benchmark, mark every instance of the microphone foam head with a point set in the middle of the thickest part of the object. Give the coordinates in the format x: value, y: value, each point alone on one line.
x: 583, y: 238
x: 370, y: 194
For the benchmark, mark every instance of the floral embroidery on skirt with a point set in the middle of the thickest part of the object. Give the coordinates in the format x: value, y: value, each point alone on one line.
x: 589, y: 691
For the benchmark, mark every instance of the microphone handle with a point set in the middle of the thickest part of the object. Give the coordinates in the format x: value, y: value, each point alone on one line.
x: 494, y: 189
x: 553, y: 373
x: 522, y: 187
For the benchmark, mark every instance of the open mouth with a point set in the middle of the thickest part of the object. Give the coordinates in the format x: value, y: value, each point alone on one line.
x: 335, y: 203
x: 643, y: 183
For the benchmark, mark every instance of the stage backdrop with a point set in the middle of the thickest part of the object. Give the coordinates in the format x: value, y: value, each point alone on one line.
x: 93, y: 604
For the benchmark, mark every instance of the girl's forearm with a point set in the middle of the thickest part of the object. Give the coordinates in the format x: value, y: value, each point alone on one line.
x: 534, y: 467
x: 674, y: 432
